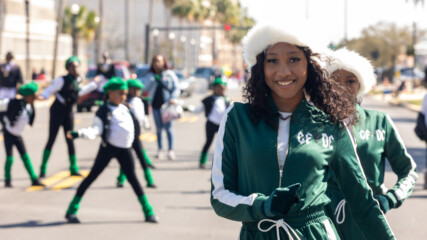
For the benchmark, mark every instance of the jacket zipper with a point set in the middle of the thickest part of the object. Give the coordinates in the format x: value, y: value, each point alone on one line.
x: 277, y: 151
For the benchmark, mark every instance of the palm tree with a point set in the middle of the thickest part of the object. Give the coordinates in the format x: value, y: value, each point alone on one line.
x: 85, y: 23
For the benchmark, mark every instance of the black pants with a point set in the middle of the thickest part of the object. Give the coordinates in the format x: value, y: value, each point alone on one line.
x: 211, y: 129
x: 10, y: 140
x: 105, y: 154
x: 61, y: 115
x: 137, y: 146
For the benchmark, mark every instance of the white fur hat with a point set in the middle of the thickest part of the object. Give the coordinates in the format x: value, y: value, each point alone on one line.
x: 344, y: 59
x: 262, y: 36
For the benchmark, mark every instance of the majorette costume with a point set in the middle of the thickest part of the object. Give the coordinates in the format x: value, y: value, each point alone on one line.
x: 18, y: 113
x: 115, y: 124
x: 136, y: 106
x: 214, y: 107
x: 67, y: 90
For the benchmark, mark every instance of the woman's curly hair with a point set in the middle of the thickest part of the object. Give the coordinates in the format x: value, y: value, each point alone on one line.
x: 325, y: 93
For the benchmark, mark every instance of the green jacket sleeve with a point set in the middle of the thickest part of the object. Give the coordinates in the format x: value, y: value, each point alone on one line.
x: 225, y: 199
x: 401, y: 163
x: 353, y: 184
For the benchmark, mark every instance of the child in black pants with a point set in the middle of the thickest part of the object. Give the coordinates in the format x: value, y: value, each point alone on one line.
x: 214, y: 106
x: 115, y: 124
x: 18, y: 113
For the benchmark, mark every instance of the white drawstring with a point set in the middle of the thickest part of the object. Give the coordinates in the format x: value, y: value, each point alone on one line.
x: 279, y: 224
x: 340, y: 209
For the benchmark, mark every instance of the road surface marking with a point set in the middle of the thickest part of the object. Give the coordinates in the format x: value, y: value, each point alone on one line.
x: 50, y: 181
x: 148, y: 137
x: 189, y: 119
x: 67, y: 183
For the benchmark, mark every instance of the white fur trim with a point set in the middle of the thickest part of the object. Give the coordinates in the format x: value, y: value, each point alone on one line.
x: 344, y: 59
x: 261, y: 36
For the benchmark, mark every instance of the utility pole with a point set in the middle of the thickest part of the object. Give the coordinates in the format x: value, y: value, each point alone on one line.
x: 127, y: 30
x: 59, y: 14
x: 27, y: 40
x: 99, y: 30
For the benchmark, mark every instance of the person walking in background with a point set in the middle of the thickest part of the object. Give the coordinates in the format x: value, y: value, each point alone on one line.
x: 214, y: 106
x: 18, y: 113
x: 66, y: 90
x: 10, y: 77
x: 136, y: 106
x: 114, y: 122
x: 162, y: 85
x: 376, y: 140
x: 274, y: 155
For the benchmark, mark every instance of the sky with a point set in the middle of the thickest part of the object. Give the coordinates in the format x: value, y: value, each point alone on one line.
x: 328, y: 15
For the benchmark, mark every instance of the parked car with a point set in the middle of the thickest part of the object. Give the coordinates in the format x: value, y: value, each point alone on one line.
x: 206, y: 73
x: 411, y: 74
x: 88, y: 101
x: 186, y: 85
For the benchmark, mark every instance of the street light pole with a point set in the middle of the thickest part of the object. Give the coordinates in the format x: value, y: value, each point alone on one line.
x: 74, y: 10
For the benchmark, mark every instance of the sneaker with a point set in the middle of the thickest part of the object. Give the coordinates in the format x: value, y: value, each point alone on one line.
x: 202, y: 165
x: 159, y: 154
x: 42, y: 175
x: 7, y: 183
x: 71, y: 218
x: 147, y: 125
x: 151, y: 185
x: 119, y: 185
x: 37, y: 183
x: 171, y: 155
x: 151, y: 166
x: 152, y: 219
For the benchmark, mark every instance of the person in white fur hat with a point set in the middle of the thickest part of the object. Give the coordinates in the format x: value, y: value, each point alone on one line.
x: 275, y: 153
x: 376, y: 139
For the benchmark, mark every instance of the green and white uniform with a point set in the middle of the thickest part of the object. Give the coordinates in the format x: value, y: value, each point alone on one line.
x: 247, y: 169
x: 377, y: 139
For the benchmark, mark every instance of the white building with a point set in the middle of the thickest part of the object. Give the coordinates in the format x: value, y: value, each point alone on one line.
x: 41, y: 35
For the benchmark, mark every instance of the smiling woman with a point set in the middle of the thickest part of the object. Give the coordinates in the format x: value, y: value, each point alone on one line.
x: 274, y: 154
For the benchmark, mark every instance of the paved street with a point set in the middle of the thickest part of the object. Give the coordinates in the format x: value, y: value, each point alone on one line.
x: 181, y: 199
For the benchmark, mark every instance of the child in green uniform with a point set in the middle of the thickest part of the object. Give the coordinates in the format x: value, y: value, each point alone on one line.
x: 18, y: 113
x: 136, y: 105
x: 114, y: 122
x: 214, y: 107
x: 66, y: 89
x: 274, y: 154
x: 376, y: 139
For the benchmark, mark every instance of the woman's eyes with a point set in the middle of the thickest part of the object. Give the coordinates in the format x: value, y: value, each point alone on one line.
x: 351, y: 82
x: 292, y: 60
x: 272, y: 60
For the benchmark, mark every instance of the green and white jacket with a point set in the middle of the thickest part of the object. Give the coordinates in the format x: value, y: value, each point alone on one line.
x: 246, y: 171
x: 377, y: 139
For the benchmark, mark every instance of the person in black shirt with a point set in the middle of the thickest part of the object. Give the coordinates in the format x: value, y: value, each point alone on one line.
x: 10, y: 78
